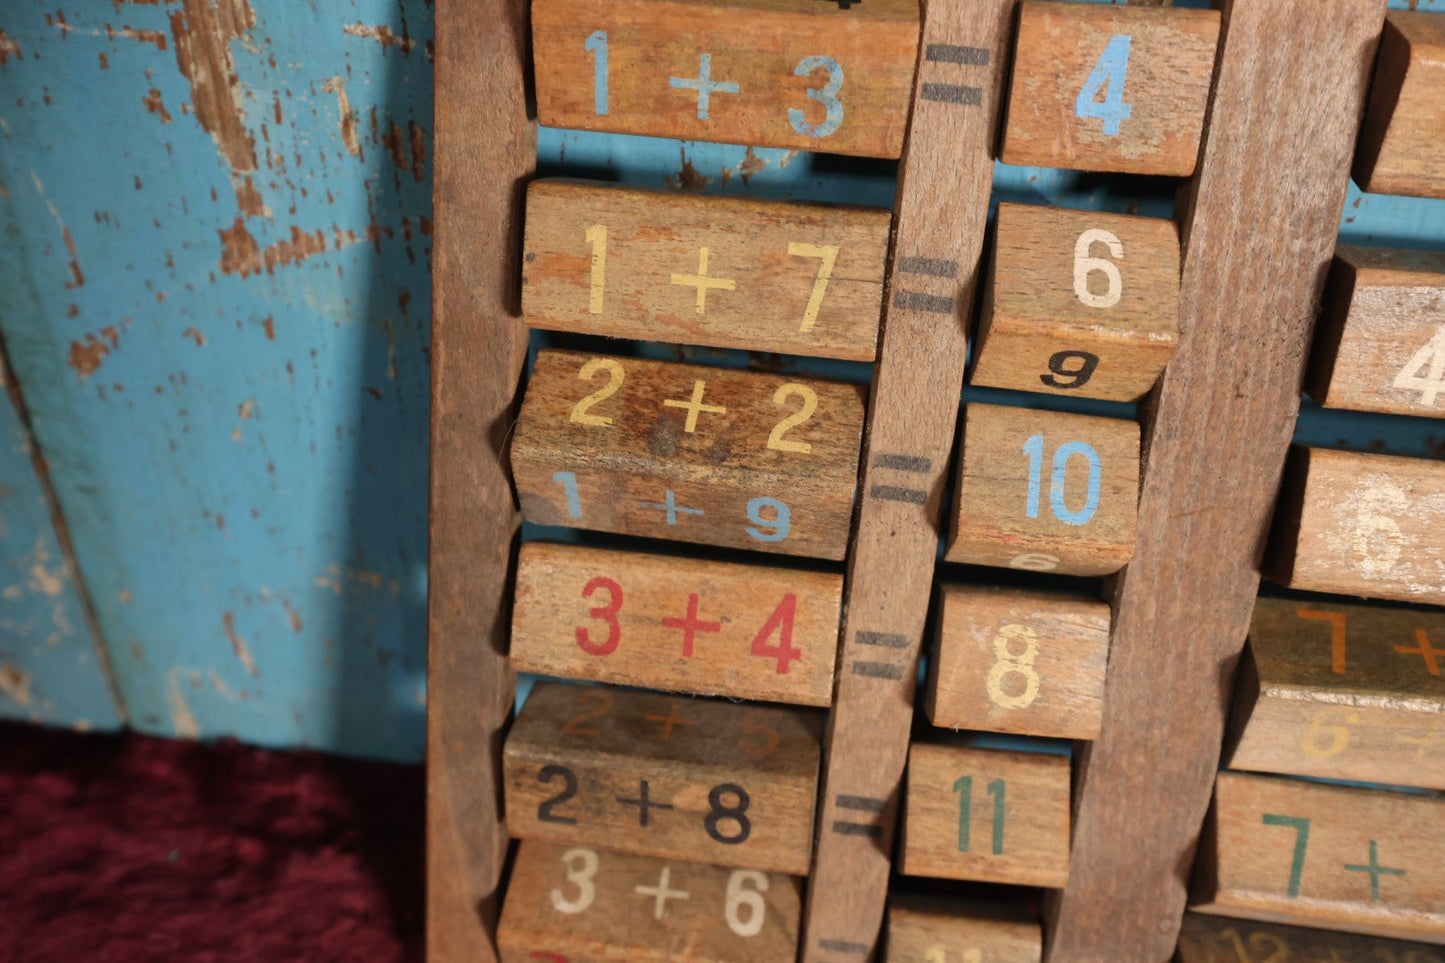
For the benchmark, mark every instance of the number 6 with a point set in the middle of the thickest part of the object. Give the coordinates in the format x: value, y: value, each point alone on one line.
x: 737, y: 897
x: 1084, y: 265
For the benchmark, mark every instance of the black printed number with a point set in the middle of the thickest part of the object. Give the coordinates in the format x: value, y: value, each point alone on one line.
x: 569, y: 789
x: 1078, y: 373
x: 735, y: 813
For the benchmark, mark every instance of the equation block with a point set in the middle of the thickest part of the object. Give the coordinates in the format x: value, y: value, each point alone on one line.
x: 726, y: 272
x: 578, y: 905
x: 1361, y: 524
x: 1380, y: 341
x: 1046, y: 491
x: 1402, y: 143
x: 1343, y: 692
x: 925, y: 929
x: 1362, y: 860
x: 1019, y: 660
x: 677, y: 624
x: 821, y: 76
x: 674, y: 777
x: 1104, y: 88
x: 986, y: 814
x: 735, y: 458
x: 1078, y: 303
x: 1219, y: 939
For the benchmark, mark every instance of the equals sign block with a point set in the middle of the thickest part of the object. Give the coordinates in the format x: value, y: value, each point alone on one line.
x: 907, y: 464
x: 866, y: 824
x: 947, y: 53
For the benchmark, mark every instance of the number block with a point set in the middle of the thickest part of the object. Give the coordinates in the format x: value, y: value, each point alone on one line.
x: 1343, y: 692
x: 727, y: 272
x: 736, y: 458
x: 833, y: 77
x: 1045, y: 490
x: 678, y: 624
x: 1016, y: 660
x: 1079, y: 303
x: 1218, y: 939
x: 1109, y: 88
x: 581, y: 905
x: 1361, y: 524
x: 925, y: 929
x: 672, y: 777
x: 985, y: 814
x: 1402, y: 143
x: 1362, y: 860
x: 1380, y: 342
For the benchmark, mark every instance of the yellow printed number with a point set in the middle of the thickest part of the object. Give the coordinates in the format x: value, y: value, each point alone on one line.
x: 615, y: 377
x: 828, y: 255
x: 1327, y: 734
x: 1011, y: 663
x: 776, y: 440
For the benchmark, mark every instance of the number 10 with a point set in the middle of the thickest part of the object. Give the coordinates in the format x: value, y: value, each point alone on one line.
x: 1034, y: 448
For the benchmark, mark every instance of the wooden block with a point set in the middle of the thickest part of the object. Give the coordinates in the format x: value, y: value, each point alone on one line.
x: 1109, y: 88
x: 1361, y: 860
x: 678, y: 624
x: 1402, y: 144
x: 986, y: 814
x: 1079, y: 303
x: 1343, y: 692
x: 1361, y: 524
x: 1018, y: 660
x: 1045, y: 491
x: 933, y: 930
x: 1219, y: 939
x: 829, y: 77
x: 664, y: 776
x: 579, y: 905
x: 710, y: 455
x: 1380, y: 343
x: 726, y: 272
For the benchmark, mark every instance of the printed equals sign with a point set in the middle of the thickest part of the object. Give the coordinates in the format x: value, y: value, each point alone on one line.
x: 915, y: 464
x: 954, y: 93
x: 845, y: 827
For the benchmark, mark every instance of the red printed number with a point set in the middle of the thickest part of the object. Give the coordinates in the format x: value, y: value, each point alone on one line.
x: 781, y: 621
x: 608, y: 614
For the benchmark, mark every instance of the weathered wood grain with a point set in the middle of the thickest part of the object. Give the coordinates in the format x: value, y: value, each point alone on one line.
x: 583, y: 905
x: 1219, y: 939
x: 1402, y: 145
x: 1361, y: 524
x: 1256, y: 244
x: 1380, y: 342
x: 1362, y: 860
x: 1045, y: 491
x: 942, y: 206
x: 1019, y: 660
x: 726, y: 272
x: 665, y: 776
x: 934, y: 930
x: 1016, y: 806
x: 1078, y: 303
x: 1343, y: 692
x: 710, y: 455
x: 771, y: 73
x: 1083, y: 98
x: 677, y: 624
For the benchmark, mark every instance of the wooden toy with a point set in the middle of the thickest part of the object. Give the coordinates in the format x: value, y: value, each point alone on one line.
x: 934, y: 930
x: 1219, y: 939
x: 1402, y: 150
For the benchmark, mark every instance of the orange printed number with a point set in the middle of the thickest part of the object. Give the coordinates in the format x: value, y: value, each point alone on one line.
x: 758, y: 748
x: 607, y: 613
x: 603, y: 700
x: 781, y: 621
x: 1337, y: 634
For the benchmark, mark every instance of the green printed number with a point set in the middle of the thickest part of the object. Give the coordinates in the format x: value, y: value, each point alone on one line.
x: 964, y: 787
x: 1107, y: 78
x: 1301, y: 827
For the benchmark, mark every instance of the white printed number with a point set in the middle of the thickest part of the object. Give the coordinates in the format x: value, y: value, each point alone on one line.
x: 581, y: 867
x: 752, y: 899
x: 1425, y: 371
x: 1085, y: 264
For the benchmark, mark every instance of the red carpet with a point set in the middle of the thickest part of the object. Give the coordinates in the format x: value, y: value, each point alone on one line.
x: 132, y: 848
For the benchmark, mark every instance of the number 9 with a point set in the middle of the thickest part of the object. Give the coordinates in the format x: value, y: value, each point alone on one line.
x: 1080, y: 374
x: 778, y: 526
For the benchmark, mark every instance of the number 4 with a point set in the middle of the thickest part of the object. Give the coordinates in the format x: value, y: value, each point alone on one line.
x: 1432, y: 382
x: 1107, y: 76
x: 781, y: 621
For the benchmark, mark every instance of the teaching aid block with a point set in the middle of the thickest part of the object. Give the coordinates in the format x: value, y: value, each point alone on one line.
x: 664, y: 776
x: 1019, y: 660
x: 1046, y: 491
x: 677, y: 624
x: 925, y: 929
x: 1362, y: 860
x: 1219, y: 939
x: 1343, y: 692
x: 743, y: 459
x: 1380, y: 342
x: 1103, y: 88
x: 1402, y: 143
x: 726, y: 272
x: 986, y: 814
x: 814, y: 75
x: 579, y: 904
x: 1079, y: 303
x: 1361, y: 524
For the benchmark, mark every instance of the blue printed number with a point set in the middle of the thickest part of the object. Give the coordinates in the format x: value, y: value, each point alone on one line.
x: 1107, y: 76
x: 827, y: 96
x: 597, y: 45
x: 778, y: 526
x: 1034, y: 448
x: 568, y: 481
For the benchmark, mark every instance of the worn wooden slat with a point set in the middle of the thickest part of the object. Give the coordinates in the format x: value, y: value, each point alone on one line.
x: 1257, y: 241
x: 1402, y: 145
x: 1220, y: 939
x: 936, y: 930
